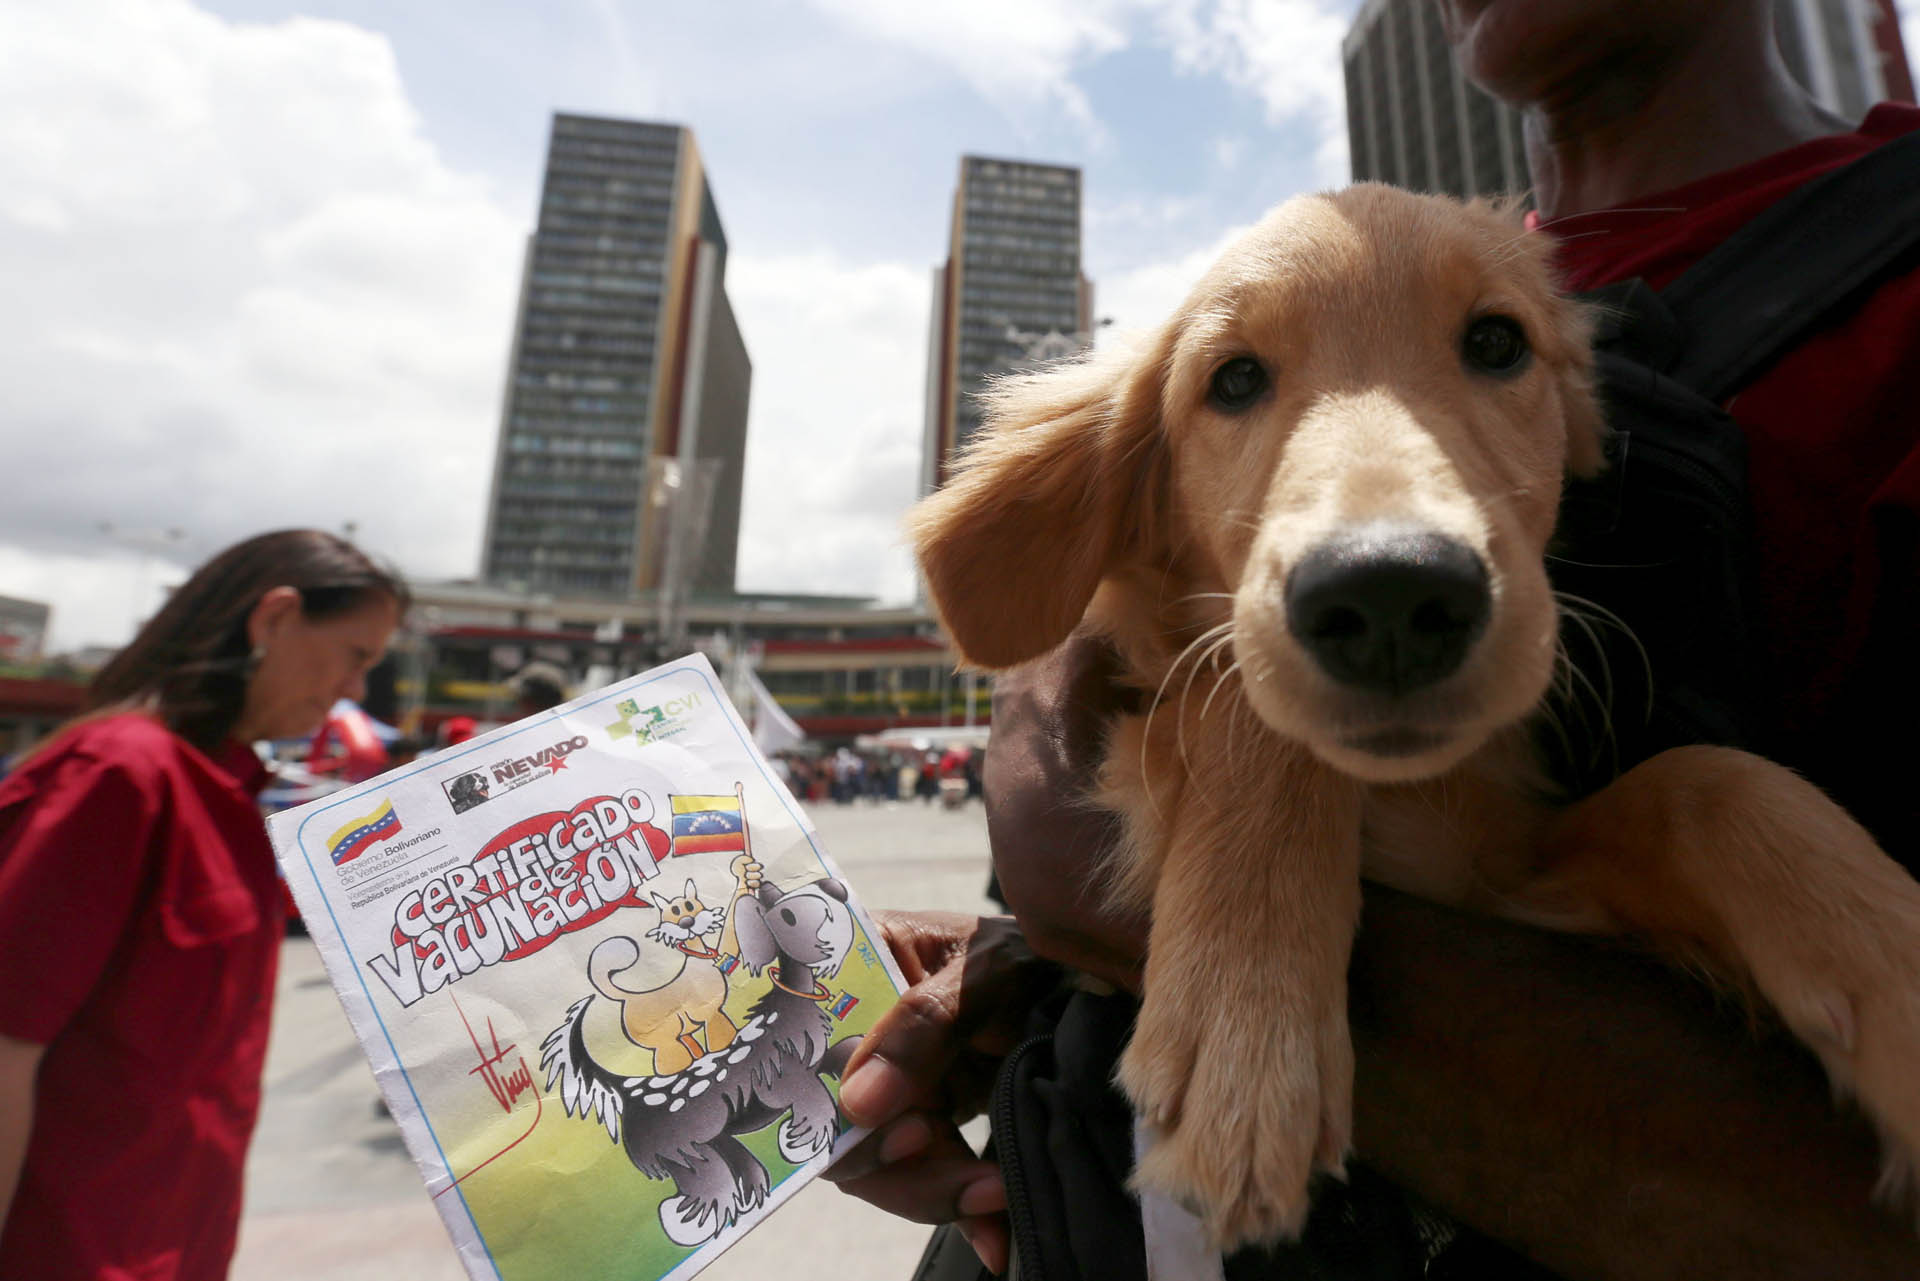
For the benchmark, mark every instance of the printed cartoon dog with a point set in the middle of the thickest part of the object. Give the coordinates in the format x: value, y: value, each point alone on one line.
x: 672, y: 1003
x: 685, y: 1126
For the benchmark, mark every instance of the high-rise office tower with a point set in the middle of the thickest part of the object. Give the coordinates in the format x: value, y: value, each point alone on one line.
x: 1412, y: 118
x: 1415, y: 121
x: 628, y: 373
x: 1011, y: 291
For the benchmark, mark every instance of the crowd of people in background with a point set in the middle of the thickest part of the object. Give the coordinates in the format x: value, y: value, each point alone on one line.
x: 950, y: 775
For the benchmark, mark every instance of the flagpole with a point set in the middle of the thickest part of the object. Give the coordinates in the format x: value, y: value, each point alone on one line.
x: 740, y: 795
x: 729, y: 937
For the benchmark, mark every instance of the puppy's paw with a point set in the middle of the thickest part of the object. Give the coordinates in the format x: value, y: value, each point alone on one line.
x: 1240, y: 1117
x: 1857, y: 1006
x: 1876, y: 1064
x: 1884, y: 1081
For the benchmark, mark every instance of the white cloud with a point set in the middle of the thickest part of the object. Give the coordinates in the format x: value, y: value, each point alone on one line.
x: 120, y: 584
x: 1285, y: 53
x: 1017, y: 54
x: 1142, y: 215
x: 1141, y: 298
x: 835, y: 427
x: 245, y: 292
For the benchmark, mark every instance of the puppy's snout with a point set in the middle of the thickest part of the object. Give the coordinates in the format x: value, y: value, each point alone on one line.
x: 1388, y: 610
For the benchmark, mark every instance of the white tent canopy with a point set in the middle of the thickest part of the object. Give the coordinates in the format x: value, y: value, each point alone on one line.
x: 924, y: 738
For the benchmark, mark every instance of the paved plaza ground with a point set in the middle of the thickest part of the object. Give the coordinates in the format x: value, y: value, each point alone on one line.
x: 332, y: 1195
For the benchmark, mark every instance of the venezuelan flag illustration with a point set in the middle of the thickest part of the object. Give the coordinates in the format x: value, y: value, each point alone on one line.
x: 708, y: 825
x: 353, y: 839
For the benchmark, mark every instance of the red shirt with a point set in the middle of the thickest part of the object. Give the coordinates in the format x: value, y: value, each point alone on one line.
x: 1833, y: 432
x: 140, y: 926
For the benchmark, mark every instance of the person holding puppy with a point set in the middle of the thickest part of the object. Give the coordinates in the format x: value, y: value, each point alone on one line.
x: 1592, y: 1111
x: 141, y: 914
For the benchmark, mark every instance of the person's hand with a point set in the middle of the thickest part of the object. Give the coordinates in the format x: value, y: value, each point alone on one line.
x: 929, y: 1063
x: 1050, y: 724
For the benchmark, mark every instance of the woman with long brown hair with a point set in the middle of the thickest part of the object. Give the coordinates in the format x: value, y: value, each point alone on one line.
x: 141, y: 914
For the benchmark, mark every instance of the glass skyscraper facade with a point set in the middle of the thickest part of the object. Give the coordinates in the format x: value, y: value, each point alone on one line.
x: 1412, y: 119
x: 1011, y: 290
x: 625, y: 357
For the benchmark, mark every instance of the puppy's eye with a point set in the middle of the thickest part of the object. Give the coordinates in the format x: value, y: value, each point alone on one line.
x: 1495, y: 345
x: 1237, y: 384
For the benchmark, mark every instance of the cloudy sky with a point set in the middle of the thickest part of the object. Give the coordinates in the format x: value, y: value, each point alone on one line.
x: 260, y: 256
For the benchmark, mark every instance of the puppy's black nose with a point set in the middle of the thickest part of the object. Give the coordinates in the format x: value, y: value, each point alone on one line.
x: 1390, y: 610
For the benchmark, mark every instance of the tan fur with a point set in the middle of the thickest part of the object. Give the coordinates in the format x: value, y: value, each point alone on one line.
x: 670, y: 1001
x: 1112, y: 494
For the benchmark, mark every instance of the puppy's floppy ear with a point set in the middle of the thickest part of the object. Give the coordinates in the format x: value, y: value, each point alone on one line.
x: 1059, y: 487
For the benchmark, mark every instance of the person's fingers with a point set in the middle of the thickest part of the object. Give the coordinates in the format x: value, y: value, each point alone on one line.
x: 889, y: 1145
x: 923, y: 942
x: 909, y: 1136
x: 982, y: 1196
x: 991, y: 1239
x: 941, y: 1182
x: 972, y: 980
x: 903, y: 1059
x: 961, y: 969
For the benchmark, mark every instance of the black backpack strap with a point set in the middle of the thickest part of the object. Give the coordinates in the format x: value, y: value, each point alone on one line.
x: 1764, y: 287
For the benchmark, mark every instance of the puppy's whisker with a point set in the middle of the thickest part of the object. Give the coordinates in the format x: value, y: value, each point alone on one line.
x: 1563, y: 694
x: 1589, y: 213
x: 1186, y: 692
x: 1603, y: 705
x: 1198, y: 598
x: 1597, y: 612
x: 1606, y: 691
x: 1588, y: 564
x: 1159, y: 695
x: 1218, y: 685
x: 1238, y: 711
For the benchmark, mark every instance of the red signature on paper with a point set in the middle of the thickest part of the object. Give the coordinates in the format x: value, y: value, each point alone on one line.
x: 504, y: 1088
x: 505, y: 1082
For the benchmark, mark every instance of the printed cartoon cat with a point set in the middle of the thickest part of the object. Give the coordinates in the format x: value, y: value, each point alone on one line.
x: 670, y: 997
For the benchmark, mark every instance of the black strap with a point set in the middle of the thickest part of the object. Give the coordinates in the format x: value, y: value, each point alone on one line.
x: 1765, y: 286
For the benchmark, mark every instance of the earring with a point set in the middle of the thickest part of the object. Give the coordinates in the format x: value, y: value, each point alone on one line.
x: 253, y: 659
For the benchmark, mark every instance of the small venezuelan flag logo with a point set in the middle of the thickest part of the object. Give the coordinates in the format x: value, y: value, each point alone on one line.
x: 353, y: 839
x: 708, y: 825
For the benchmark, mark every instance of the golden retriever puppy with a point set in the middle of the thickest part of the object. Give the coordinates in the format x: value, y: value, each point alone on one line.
x: 1311, y: 512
